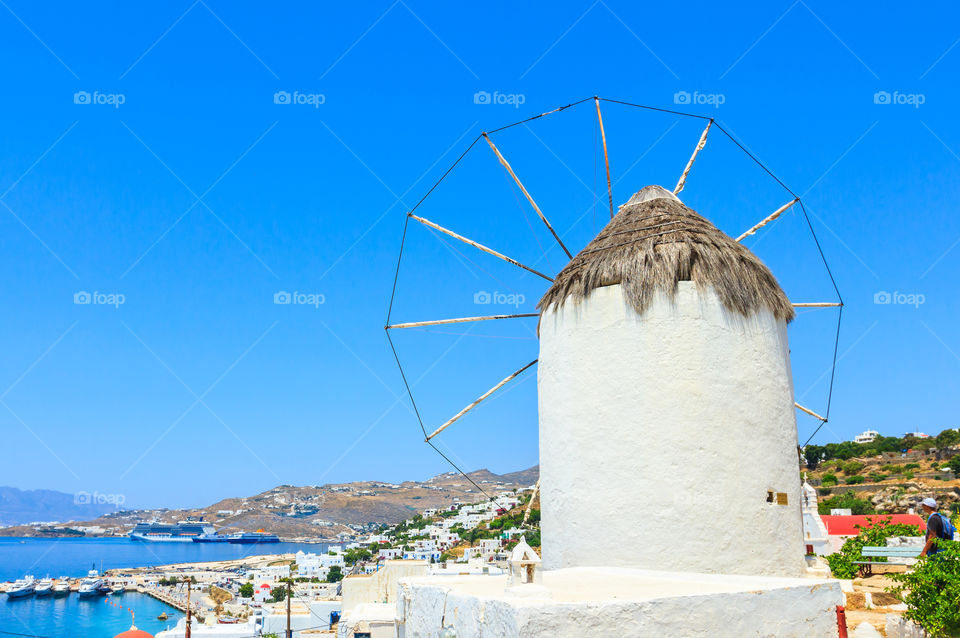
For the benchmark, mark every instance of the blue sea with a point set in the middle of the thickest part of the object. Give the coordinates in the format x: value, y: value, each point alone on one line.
x: 70, y: 617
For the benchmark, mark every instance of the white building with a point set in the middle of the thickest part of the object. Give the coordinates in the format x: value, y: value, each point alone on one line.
x: 816, y: 541
x: 868, y: 436
x: 270, y: 573
x: 317, y: 565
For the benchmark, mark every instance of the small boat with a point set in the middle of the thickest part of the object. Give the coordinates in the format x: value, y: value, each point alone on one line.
x: 44, y: 587
x: 117, y: 590
x: 163, y: 616
x: 61, y: 587
x: 90, y: 586
x: 21, y: 588
x: 104, y: 589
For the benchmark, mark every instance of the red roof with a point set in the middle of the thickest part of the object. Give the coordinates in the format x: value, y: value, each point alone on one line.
x: 847, y: 525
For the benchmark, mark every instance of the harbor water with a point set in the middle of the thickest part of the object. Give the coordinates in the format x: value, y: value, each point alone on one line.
x: 75, y: 617
x: 102, y: 617
x: 73, y: 557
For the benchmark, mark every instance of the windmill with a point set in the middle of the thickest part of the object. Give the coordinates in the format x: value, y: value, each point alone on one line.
x: 651, y: 249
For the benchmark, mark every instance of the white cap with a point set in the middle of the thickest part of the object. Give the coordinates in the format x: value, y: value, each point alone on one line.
x: 929, y: 502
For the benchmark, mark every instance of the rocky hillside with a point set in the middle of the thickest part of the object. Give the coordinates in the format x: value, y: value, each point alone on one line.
x: 322, y: 511
x: 891, y: 483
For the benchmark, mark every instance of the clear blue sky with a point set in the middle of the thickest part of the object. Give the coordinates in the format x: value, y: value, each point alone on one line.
x: 199, y: 197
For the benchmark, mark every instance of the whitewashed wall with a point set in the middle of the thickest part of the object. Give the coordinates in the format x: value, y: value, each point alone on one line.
x: 661, y: 434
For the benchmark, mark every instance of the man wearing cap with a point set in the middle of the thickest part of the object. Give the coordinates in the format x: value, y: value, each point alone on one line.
x: 935, y: 527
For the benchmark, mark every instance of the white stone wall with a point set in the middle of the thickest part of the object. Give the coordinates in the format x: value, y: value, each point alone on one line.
x: 751, y: 608
x: 661, y: 435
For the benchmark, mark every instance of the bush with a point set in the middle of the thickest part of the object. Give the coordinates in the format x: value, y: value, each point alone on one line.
x: 828, y: 479
x: 911, y: 466
x: 846, y: 501
x: 876, y: 477
x: 841, y: 563
x: 931, y: 590
x: 854, y: 480
x: 853, y: 467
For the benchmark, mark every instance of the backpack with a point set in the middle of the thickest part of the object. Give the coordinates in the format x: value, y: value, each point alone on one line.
x: 948, y: 528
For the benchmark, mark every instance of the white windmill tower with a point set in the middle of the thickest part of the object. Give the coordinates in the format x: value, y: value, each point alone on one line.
x: 666, y: 401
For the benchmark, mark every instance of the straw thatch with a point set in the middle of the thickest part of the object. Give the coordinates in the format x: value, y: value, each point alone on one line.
x: 653, y: 242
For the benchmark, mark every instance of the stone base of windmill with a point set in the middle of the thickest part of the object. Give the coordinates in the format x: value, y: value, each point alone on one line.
x: 606, y: 601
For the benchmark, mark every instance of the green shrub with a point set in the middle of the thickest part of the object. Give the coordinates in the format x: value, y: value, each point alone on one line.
x: 890, y: 468
x: 854, y: 480
x: 931, y: 590
x: 842, y: 562
x: 876, y: 477
x: 908, y: 475
x: 853, y: 467
x: 848, y: 501
x: 911, y: 466
x: 828, y: 479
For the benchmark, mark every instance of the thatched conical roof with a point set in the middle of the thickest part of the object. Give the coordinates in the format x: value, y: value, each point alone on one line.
x: 653, y: 242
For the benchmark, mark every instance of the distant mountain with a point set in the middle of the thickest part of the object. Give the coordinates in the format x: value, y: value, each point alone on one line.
x: 26, y: 506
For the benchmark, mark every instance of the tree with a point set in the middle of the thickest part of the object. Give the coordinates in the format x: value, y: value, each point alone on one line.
x: 278, y: 594
x: 335, y: 574
x: 246, y: 590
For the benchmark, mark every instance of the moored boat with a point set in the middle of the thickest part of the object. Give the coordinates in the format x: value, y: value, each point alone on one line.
x: 61, y: 587
x: 44, y: 587
x: 90, y: 586
x: 179, y: 532
x: 258, y: 536
x: 212, y: 538
x: 21, y: 588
